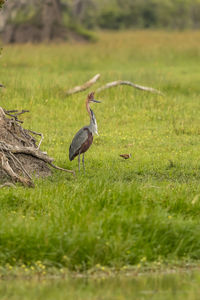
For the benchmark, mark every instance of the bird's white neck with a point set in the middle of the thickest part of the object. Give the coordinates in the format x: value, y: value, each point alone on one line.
x: 93, y: 123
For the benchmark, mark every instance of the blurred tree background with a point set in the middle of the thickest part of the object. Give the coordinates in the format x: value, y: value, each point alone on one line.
x: 168, y: 14
x: 21, y: 20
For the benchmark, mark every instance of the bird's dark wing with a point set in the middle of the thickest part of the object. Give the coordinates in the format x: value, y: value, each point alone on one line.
x: 80, y: 137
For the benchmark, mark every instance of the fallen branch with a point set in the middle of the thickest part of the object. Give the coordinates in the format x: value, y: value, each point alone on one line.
x: 121, y: 82
x: 83, y: 87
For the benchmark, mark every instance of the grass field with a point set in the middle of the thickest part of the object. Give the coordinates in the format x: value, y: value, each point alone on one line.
x: 119, y: 213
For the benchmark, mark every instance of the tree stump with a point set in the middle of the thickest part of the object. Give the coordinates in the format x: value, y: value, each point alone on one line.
x: 20, y: 157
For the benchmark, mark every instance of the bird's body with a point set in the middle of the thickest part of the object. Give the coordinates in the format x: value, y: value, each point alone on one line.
x: 84, y: 137
x: 80, y: 143
x: 125, y: 156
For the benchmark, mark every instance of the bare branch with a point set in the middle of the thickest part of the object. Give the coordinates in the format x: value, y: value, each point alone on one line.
x: 83, y: 87
x: 65, y: 170
x: 121, y: 82
x: 15, y: 113
x: 40, y: 134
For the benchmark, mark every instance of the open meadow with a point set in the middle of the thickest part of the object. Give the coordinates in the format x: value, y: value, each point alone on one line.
x: 120, y: 213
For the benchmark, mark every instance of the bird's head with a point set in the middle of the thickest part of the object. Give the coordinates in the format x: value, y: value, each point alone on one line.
x: 90, y: 98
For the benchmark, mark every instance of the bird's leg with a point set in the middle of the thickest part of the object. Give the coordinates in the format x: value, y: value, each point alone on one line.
x: 79, y: 161
x: 83, y: 162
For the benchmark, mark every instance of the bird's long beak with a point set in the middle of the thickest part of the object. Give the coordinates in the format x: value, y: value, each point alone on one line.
x: 93, y: 100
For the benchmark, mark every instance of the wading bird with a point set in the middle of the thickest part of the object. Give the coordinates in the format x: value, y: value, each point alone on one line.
x: 125, y: 156
x: 1, y: 85
x: 84, y: 137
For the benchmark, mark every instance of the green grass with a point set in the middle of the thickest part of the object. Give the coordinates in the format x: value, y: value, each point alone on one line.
x: 119, y: 212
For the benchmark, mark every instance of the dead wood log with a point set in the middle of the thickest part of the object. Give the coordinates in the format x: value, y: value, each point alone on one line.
x: 84, y: 86
x: 122, y: 82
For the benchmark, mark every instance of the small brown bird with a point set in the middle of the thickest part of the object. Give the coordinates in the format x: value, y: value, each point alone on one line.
x: 125, y: 156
